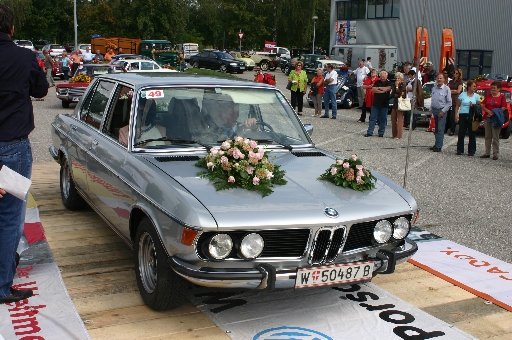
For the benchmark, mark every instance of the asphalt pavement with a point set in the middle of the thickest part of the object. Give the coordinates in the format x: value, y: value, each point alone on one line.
x: 463, y: 199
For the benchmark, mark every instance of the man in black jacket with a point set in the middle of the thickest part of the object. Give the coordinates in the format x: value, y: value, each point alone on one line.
x: 20, y: 78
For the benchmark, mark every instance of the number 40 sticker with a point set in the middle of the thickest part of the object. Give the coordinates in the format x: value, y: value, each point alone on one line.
x: 153, y: 94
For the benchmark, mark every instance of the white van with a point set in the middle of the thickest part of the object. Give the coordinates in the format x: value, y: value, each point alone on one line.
x: 383, y: 56
x: 188, y: 49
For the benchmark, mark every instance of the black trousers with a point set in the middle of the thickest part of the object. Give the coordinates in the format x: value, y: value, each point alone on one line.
x: 363, y: 112
x: 450, y: 121
x: 297, y: 99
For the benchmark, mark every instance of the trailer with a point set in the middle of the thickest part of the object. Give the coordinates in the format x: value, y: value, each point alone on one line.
x: 383, y: 57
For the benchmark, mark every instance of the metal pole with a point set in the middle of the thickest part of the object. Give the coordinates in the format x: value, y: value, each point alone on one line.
x: 315, y: 18
x: 76, y: 25
x: 240, y: 41
x: 415, y: 86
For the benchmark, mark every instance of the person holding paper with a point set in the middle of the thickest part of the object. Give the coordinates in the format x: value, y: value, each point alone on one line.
x: 20, y: 78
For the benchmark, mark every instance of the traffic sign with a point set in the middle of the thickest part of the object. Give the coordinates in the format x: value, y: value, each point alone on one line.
x: 240, y: 35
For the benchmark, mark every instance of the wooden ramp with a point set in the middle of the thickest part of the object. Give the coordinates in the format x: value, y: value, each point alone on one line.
x: 98, y: 271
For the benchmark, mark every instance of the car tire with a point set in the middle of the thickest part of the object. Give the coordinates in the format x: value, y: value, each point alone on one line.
x: 505, y: 132
x: 159, y: 286
x: 68, y: 193
x: 264, y: 65
x: 272, y: 68
x: 195, y: 64
x: 223, y: 68
x: 65, y: 104
x: 348, y: 102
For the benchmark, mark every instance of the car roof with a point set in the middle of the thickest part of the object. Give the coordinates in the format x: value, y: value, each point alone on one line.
x: 179, y: 78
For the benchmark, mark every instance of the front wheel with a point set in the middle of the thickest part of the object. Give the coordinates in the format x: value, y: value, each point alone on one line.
x: 195, y: 64
x: 347, y: 104
x: 264, y: 65
x: 159, y: 286
x: 223, y: 68
x: 65, y: 104
x: 70, y: 196
x: 505, y: 132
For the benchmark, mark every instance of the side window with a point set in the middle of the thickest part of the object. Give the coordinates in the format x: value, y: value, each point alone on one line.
x: 146, y: 65
x: 93, y: 108
x: 118, y: 121
x: 204, y: 54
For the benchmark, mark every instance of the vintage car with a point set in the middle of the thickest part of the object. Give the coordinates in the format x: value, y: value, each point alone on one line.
x: 135, y: 65
x: 346, y: 89
x: 321, y: 63
x: 72, y: 91
x: 242, y: 56
x: 130, y: 151
x: 54, y: 49
x: 217, y: 60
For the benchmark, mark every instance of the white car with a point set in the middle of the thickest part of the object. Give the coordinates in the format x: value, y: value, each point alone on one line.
x: 24, y: 43
x: 135, y: 65
x: 54, y: 49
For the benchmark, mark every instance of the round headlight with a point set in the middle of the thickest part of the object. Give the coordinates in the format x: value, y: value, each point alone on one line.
x: 220, y: 246
x: 401, y: 228
x: 382, y: 231
x: 251, y: 246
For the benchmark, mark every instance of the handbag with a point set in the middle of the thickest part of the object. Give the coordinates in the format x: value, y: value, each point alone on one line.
x: 289, y: 85
x: 314, y: 89
x: 404, y: 104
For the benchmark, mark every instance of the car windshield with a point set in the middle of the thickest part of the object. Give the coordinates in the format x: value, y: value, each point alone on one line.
x: 184, y: 117
x: 93, y: 71
x: 163, y: 46
x: 224, y: 55
x: 24, y: 43
x: 428, y: 87
x: 58, y: 47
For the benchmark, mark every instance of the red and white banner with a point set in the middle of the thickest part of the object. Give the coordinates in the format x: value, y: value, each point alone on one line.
x: 269, y: 45
x: 479, y: 274
x: 49, y: 314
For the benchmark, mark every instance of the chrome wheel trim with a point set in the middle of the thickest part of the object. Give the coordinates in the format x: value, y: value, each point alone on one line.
x: 147, y: 262
x: 66, y: 180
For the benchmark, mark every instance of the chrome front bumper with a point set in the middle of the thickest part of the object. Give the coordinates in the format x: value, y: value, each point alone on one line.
x: 265, y: 276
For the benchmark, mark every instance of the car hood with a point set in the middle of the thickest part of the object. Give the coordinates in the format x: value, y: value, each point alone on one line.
x: 232, y: 60
x: 302, y: 201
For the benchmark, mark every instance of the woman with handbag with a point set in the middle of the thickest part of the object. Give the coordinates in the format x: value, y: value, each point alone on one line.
x: 465, y: 102
x: 299, y: 80
x: 398, y: 91
x: 317, y: 92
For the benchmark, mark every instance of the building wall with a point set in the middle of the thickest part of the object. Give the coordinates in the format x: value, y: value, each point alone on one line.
x: 476, y: 24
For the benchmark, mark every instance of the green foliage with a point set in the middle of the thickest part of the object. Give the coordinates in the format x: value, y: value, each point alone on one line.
x: 208, y: 72
x: 350, y: 173
x: 241, y: 163
x: 211, y: 23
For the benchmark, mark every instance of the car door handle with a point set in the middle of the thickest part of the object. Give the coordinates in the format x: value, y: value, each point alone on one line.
x: 95, y: 142
x: 73, y: 127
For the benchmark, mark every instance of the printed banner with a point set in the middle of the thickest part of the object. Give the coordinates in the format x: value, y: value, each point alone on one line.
x: 345, y: 32
x: 269, y: 45
x: 49, y: 314
x: 479, y: 274
x: 361, y: 311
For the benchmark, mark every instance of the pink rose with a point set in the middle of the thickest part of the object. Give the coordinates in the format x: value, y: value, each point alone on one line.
x: 209, y: 165
x: 360, y: 173
x: 358, y: 180
x: 220, y: 153
x: 256, y: 181
x: 231, y: 179
x: 261, y: 151
x: 249, y: 170
x: 346, y: 165
x: 223, y: 159
x: 354, y: 157
x: 225, y: 145
x: 214, y: 151
x: 339, y: 162
x: 334, y: 171
x: 238, y: 139
x: 269, y: 175
x: 236, y: 153
x: 359, y: 167
x: 253, y: 144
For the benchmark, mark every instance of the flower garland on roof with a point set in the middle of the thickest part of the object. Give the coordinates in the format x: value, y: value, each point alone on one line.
x: 80, y: 78
x: 350, y: 173
x: 241, y: 163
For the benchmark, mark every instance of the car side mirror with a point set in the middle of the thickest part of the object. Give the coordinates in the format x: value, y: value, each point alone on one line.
x: 309, y: 128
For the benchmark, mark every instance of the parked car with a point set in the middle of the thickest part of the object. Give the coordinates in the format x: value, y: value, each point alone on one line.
x: 182, y: 230
x: 242, y: 56
x: 69, y: 47
x: 24, y: 43
x: 135, y: 65
x: 217, y: 60
x: 346, y: 90
x: 39, y: 44
x: 54, y: 49
x: 321, y: 63
x: 72, y: 91
x: 126, y: 56
x: 57, y: 67
x: 484, y: 88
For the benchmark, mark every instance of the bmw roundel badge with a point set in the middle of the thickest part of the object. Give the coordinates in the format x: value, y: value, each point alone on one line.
x: 331, y: 212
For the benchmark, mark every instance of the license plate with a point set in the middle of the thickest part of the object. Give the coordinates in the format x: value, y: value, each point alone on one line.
x: 75, y: 99
x: 242, y: 67
x: 334, y: 274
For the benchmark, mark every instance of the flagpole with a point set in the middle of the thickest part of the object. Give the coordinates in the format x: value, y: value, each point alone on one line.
x: 413, y: 102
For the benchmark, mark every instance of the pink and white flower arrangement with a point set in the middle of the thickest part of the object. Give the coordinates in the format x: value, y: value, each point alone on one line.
x: 350, y: 173
x: 241, y: 163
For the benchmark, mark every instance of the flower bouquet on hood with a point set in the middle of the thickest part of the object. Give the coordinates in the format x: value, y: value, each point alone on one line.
x: 350, y: 173
x: 241, y: 163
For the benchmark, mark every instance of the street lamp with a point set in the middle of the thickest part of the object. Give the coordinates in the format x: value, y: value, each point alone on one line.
x: 315, y: 18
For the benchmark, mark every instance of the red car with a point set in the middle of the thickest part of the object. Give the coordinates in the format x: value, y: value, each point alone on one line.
x: 72, y: 91
x: 484, y: 88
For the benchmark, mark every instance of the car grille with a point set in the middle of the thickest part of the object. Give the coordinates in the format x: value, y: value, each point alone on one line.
x: 327, y: 245
x: 76, y: 91
x: 361, y: 234
x: 282, y: 243
x: 177, y: 158
x: 308, y: 154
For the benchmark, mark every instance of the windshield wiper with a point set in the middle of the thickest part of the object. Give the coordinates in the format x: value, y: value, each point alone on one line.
x: 288, y: 147
x: 173, y: 140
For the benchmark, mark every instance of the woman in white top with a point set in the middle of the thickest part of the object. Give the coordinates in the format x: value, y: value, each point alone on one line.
x: 465, y: 101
